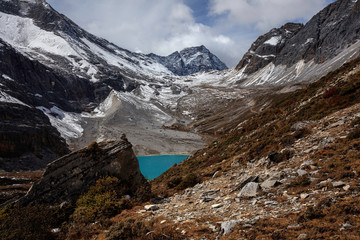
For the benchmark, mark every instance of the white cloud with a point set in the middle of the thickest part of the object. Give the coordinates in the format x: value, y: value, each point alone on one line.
x: 161, y: 26
x: 165, y: 26
x: 263, y: 14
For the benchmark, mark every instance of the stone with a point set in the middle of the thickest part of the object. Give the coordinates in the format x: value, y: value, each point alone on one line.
x: 218, y: 205
x: 339, y: 184
x: 227, y: 227
x: 241, y: 185
x: 207, y: 199
x: 301, y: 172
x: 270, y: 184
x: 235, y: 164
x: 65, y: 179
x: 304, y: 195
x: 249, y: 190
x: 300, y: 125
x: 271, y: 203
x: 151, y: 207
x: 347, y: 187
x: 347, y: 225
x: 215, y: 174
x: 210, y: 192
x: 302, y: 236
x: 325, y: 182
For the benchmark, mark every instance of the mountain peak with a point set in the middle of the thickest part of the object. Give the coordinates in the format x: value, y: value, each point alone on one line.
x: 322, y: 38
x: 190, y: 60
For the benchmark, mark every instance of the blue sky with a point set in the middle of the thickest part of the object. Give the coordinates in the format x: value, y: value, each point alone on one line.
x: 226, y: 27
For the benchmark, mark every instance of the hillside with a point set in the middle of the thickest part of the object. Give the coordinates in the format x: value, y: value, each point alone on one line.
x: 290, y: 171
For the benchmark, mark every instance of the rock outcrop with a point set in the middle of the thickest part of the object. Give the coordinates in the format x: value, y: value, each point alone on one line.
x: 27, y: 139
x: 299, y: 53
x: 67, y: 178
x: 267, y: 47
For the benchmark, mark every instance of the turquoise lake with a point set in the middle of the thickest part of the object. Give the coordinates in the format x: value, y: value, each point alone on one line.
x: 153, y: 166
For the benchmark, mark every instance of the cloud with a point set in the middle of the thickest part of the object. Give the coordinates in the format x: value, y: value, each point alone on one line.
x: 161, y: 26
x: 165, y: 26
x: 263, y: 14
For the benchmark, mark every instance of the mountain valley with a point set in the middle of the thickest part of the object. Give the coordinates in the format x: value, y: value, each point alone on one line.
x: 274, y: 141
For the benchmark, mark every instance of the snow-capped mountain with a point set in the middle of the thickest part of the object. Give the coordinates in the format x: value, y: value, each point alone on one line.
x: 190, y: 60
x: 48, y: 63
x: 91, y: 89
x: 302, y: 53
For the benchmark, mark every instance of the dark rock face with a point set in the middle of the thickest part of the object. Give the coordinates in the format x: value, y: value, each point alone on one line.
x: 328, y: 33
x: 267, y: 47
x: 30, y: 78
x: 190, y: 60
x: 67, y: 178
x: 27, y: 139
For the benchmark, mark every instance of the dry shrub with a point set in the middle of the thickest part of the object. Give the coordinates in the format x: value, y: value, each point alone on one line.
x: 27, y: 223
x: 129, y: 229
x: 189, y: 180
x: 301, y: 181
x: 354, y: 134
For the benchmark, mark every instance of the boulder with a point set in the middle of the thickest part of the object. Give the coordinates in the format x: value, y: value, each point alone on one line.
x: 339, y: 184
x: 65, y: 179
x: 300, y: 125
x: 227, y: 227
x: 249, y: 190
x: 151, y: 208
x: 242, y: 184
x: 301, y: 172
x: 270, y: 184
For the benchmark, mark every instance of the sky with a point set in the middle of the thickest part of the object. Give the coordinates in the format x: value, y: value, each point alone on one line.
x: 226, y: 27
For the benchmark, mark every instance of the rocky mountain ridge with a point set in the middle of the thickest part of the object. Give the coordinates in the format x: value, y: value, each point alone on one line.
x: 302, y: 52
x: 190, y: 60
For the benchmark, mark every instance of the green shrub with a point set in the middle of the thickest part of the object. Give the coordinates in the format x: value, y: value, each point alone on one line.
x: 103, y: 200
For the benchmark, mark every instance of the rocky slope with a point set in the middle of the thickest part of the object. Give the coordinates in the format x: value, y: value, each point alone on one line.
x: 290, y: 172
x: 190, y: 60
x: 298, y: 53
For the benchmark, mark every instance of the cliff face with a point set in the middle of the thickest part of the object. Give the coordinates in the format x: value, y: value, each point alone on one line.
x: 67, y: 178
x: 301, y: 53
x: 27, y: 139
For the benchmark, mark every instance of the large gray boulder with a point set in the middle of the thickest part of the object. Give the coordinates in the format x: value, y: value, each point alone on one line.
x: 249, y: 190
x: 67, y: 178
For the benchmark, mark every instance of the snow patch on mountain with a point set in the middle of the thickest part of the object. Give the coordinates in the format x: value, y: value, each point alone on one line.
x: 23, y: 34
x: 274, y: 40
x: 68, y: 124
x: 7, y: 77
x: 4, y: 97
